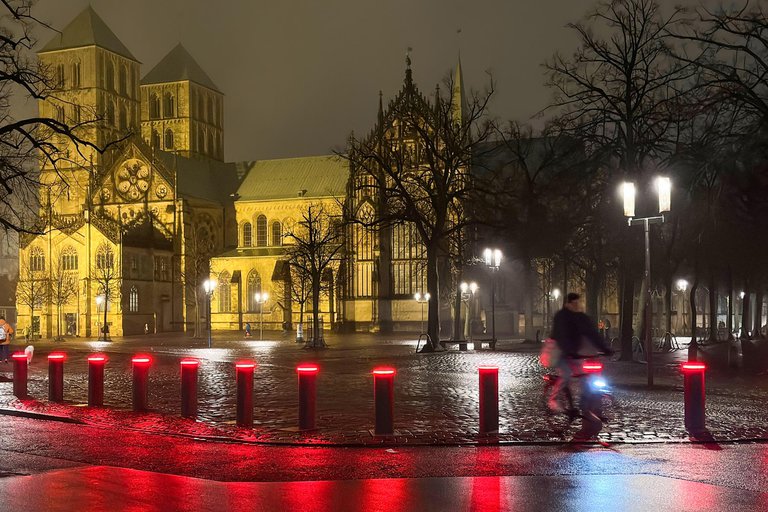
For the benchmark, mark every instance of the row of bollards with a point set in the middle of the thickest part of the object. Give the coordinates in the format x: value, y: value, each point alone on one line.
x: 383, y: 390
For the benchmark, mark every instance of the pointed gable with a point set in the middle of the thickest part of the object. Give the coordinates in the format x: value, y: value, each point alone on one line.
x: 87, y: 29
x: 178, y: 65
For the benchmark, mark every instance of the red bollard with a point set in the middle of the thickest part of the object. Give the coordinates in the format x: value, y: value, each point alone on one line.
x: 489, y: 399
x: 20, y: 374
x: 189, y: 387
x: 307, y: 396
x: 695, y: 394
x: 244, y: 379
x: 56, y: 376
x: 384, y: 400
x: 141, y: 366
x: 96, y: 363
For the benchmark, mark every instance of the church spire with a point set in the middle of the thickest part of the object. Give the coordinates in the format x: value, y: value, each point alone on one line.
x: 408, y: 74
x: 458, y: 100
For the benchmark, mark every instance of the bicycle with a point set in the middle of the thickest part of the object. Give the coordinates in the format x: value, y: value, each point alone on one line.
x: 595, y: 399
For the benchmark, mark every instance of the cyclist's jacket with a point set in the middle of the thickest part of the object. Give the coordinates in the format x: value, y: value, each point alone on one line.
x: 569, y: 328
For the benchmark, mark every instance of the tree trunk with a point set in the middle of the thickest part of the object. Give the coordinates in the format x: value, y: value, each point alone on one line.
x: 668, y: 304
x: 729, y: 320
x: 712, y: 308
x: 433, y: 309
x: 757, y: 331
x: 626, y: 315
x: 316, y: 334
x: 593, y: 291
x: 529, y: 333
x: 694, y: 289
x: 458, y: 332
x: 745, y: 305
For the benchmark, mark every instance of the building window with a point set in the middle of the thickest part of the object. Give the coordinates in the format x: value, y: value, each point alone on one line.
x: 162, y: 268
x: 123, y: 80
x: 123, y: 118
x: 247, y: 234
x: 37, y: 260
x: 209, y: 111
x: 277, y: 233
x: 261, y: 231
x: 200, y: 107
x: 104, y: 258
x: 168, y: 139
x: 69, y: 259
x: 110, y: 75
x: 134, y: 263
x: 254, y: 287
x: 75, y: 74
x: 225, y: 295
x: 59, y: 76
x: 58, y: 113
x: 200, y: 142
x: 154, y: 106
x: 209, y: 144
x: 133, y: 300
x: 155, y: 141
x: 168, y: 105
x: 77, y: 113
x: 110, y: 113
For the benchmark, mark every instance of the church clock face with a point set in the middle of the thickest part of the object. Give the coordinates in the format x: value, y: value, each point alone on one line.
x: 132, y: 179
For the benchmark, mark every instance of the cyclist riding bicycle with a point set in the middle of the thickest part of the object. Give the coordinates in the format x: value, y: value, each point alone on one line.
x: 570, y: 328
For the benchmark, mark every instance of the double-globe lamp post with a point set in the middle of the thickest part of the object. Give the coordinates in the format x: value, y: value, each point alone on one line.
x: 492, y: 258
x: 261, y: 298
x: 664, y: 188
x: 209, y: 285
x: 423, y: 300
x: 467, y: 293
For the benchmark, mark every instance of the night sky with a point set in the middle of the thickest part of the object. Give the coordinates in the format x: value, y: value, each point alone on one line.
x: 299, y: 75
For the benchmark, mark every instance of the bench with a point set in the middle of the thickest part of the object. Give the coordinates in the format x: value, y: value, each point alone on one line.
x: 463, y: 343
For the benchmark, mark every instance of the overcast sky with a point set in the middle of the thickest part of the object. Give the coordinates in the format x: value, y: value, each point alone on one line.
x: 298, y: 75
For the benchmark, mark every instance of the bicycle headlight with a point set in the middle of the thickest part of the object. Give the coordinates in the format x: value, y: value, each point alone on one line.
x: 599, y: 384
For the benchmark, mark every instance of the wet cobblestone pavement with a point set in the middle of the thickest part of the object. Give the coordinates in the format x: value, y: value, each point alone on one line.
x: 436, y: 395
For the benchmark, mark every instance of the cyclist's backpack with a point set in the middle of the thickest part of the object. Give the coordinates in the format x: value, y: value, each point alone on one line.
x: 3, y: 333
x: 550, y: 353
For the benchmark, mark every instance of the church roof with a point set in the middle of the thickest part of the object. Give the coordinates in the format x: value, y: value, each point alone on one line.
x: 176, y: 66
x: 87, y: 29
x: 314, y: 176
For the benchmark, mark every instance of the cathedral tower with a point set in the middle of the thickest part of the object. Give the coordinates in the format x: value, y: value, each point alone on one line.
x: 182, y: 109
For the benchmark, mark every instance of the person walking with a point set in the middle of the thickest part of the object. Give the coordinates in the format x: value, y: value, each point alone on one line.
x: 6, y: 333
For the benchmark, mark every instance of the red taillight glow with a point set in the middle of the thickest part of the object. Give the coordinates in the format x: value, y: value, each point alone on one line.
x: 488, y: 368
x: 57, y: 356
x: 245, y: 365
x: 384, y: 371
x: 592, y: 367
x: 307, y: 369
x: 141, y: 360
x: 189, y: 362
x: 19, y: 355
x: 97, y: 359
x: 693, y: 367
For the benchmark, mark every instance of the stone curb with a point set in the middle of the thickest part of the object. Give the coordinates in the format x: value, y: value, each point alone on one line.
x: 40, y: 416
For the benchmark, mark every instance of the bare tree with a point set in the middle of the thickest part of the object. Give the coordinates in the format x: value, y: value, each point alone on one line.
x: 29, y: 144
x: 294, y: 288
x: 63, y: 288
x: 312, y: 246
x: 106, y: 275
x: 32, y: 291
x: 416, y: 167
x: 195, y: 269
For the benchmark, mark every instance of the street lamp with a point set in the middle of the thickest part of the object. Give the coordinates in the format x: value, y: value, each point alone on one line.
x: 492, y: 259
x: 423, y: 300
x: 682, y: 286
x: 100, y: 299
x: 209, y: 285
x: 261, y: 298
x: 467, y: 292
x: 664, y: 188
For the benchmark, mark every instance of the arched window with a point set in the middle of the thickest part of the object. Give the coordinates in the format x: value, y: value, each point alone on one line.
x: 76, y: 74
x: 104, y: 258
x: 254, y: 287
x: 209, y: 111
x: 110, y: 76
x: 155, y: 141
x: 133, y: 300
x: 168, y: 105
x: 37, y: 260
x: 261, y: 231
x: 154, y: 106
x: 60, y: 76
x: 123, y: 122
x: 123, y: 80
x: 58, y: 113
x: 69, y: 259
x: 277, y: 233
x: 168, y: 139
x: 110, y: 113
x: 225, y: 293
x: 247, y: 234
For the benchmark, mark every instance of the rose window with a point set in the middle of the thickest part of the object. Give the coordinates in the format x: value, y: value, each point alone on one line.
x: 133, y: 179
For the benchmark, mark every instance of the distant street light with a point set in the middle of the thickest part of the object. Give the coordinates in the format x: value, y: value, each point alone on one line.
x: 423, y: 300
x: 664, y: 188
x: 467, y: 292
x: 556, y: 294
x: 261, y: 298
x: 682, y: 286
x: 101, y: 301
x: 492, y: 258
x: 209, y: 285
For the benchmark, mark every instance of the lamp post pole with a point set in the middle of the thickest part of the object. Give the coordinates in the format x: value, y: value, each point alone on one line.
x: 492, y: 259
x: 99, y: 303
x: 209, y: 285
x: 664, y: 187
x: 261, y: 298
